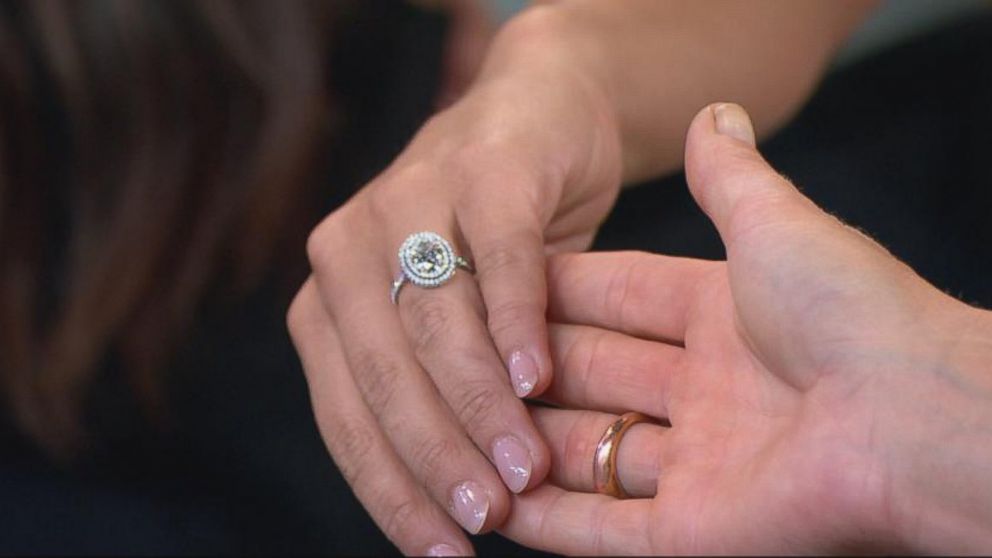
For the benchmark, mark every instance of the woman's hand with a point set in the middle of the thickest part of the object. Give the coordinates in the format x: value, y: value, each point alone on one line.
x: 822, y: 397
x: 419, y: 402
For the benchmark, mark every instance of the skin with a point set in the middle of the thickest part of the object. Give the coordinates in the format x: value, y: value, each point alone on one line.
x: 573, y: 99
x: 471, y: 30
x: 823, y: 398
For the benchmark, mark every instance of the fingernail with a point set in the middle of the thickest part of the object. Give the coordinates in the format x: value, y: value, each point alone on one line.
x: 513, y: 462
x: 470, y: 506
x: 732, y: 120
x: 523, y: 373
x: 443, y: 550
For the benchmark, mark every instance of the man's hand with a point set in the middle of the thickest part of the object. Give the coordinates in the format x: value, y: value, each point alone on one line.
x: 822, y: 397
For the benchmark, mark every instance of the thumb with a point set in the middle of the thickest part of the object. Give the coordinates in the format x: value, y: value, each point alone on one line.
x: 731, y: 181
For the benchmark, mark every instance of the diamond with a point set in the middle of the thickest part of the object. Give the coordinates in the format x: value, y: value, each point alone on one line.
x: 427, y: 259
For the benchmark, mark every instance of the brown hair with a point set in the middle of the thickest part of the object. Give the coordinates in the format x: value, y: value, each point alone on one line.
x: 146, y: 150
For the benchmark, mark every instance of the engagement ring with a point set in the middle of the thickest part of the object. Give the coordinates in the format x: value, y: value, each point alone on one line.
x: 427, y: 260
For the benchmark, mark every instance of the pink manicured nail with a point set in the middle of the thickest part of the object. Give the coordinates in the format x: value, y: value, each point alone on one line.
x: 443, y: 550
x: 513, y: 462
x: 470, y: 506
x: 523, y: 373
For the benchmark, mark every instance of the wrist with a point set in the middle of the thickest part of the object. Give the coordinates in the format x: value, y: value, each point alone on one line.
x: 544, y: 60
x: 537, y: 121
x: 549, y: 38
x: 582, y: 45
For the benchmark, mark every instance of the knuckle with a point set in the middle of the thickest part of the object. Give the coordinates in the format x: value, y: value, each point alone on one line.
x: 328, y: 239
x: 350, y: 442
x: 509, y: 314
x: 319, y: 242
x: 432, y: 458
x: 383, y: 200
x: 296, y: 317
x: 575, y: 356
x: 498, y: 258
x: 400, y: 518
x: 477, y: 404
x: 579, y: 447
x: 588, y: 359
x: 398, y: 188
x: 757, y: 213
x: 432, y: 322
x: 618, y: 293
x: 519, y: 178
x: 378, y: 378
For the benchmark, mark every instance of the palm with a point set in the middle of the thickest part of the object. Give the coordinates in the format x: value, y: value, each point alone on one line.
x: 763, y: 457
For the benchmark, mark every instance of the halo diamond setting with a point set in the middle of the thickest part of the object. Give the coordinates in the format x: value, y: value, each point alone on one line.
x: 427, y: 260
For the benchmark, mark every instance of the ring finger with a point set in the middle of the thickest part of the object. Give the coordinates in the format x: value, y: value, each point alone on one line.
x: 573, y: 437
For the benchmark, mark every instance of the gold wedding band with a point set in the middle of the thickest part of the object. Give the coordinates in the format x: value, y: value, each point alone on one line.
x: 604, y: 465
